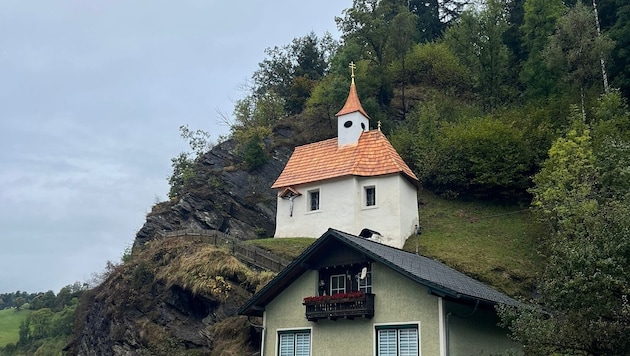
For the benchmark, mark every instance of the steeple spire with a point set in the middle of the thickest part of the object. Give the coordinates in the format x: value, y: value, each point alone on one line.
x: 352, y: 103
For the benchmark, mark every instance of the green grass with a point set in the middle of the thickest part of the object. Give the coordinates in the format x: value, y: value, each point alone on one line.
x: 493, y: 243
x: 288, y: 248
x: 10, y: 320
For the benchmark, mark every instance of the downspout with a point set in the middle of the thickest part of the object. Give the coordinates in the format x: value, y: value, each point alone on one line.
x: 447, y: 336
x: 263, y: 328
x: 263, y: 334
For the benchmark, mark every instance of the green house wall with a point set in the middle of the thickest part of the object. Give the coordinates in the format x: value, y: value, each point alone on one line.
x: 474, y: 331
x: 398, y: 300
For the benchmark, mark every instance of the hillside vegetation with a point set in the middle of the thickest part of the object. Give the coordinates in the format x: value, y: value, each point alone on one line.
x: 504, y: 111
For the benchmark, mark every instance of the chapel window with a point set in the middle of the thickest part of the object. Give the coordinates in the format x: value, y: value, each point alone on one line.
x: 313, y: 200
x: 370, y: 196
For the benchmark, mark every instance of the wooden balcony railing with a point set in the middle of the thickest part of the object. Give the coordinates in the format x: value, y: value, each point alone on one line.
x: 333, y: 307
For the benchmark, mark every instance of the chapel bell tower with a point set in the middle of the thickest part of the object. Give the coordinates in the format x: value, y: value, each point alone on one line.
x: 352, y: 120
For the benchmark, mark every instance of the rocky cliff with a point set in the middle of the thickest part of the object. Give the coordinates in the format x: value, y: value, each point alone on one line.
x: 180, y: 296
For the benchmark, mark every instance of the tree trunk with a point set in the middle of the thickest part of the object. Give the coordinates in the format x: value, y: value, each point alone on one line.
x: 601, y: 57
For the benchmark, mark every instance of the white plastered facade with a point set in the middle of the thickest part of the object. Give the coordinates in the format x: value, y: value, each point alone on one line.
x: 343, y: 206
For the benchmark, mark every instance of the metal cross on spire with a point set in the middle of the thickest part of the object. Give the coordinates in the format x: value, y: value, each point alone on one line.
x: 352, y: 68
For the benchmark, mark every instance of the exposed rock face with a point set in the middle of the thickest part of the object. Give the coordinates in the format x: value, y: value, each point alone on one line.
x: 135, y: 313
x: 230, y: 199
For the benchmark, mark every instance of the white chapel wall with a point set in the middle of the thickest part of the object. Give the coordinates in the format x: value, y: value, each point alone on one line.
x: 343, y: 207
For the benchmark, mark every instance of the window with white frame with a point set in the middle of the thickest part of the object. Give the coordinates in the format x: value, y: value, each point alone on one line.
x: 370, y: 196
x: 365, y: 284
x: 397, y: 340
x: 294, y: 343
x: 337, y: 284
x: 313, y: 200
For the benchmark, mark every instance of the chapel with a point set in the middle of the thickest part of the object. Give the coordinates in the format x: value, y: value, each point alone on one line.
x: 355, y: 182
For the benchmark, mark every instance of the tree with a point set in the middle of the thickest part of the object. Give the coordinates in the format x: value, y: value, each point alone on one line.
x: 25, y: 333
x: 582, y: 305
x: 477, y: 40
x: 19, y: 302
x: 620, y: 57
x: 611, y: 138
x: 290, y: 72
x: 183, y: 173
x: 41, y: 322
x: 565, y: 189
x: 575, y: 51
x: 539, y: 23
x: 404, y: 26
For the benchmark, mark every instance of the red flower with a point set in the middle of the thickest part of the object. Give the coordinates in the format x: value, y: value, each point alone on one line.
x: 332, y: 298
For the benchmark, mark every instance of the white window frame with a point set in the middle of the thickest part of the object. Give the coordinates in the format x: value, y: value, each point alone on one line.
x: 309, y: 203
x: 415, y: 325
x: 337, y: 290
x: 365, y: 285
x: 365, y: 196
x: 295, y: 332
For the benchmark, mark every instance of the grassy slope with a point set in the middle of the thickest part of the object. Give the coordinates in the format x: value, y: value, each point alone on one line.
x: 10, y: 320
x: 493, y: 243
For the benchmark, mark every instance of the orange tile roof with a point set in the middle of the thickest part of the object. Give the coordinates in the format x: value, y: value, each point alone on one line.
x: 373, y: 155
x: 352, y: 103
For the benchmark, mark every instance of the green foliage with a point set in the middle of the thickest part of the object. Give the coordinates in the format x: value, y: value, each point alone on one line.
x: 434, y: 65
x: 582, y: 306
x: 491, y: 156
x: 619, y: 65
x: 45, y: 332
x: 251, y: 146
x: 566, y: 186
x: 184, y: 175
x: 611, y: 144
x: 575, y: 51
x: 18, y: 302
x: 540, y: 22
x: 477, y: 40
x: 488, y: 156
x: 290, y: 73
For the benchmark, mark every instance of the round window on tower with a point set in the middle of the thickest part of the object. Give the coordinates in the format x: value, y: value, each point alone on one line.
x: 347, y: 124
x: 363, y: 126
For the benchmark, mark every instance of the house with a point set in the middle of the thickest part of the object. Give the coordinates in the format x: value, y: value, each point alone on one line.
x: 347, y: 295
x: 355, y: 182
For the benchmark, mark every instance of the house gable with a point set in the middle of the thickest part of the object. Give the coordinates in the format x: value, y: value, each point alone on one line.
x: 438, y: 278
x: 444, y: 308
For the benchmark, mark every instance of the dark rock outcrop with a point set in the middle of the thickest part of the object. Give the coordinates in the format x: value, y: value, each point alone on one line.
x: 228, y: 197
x: 133, y: 312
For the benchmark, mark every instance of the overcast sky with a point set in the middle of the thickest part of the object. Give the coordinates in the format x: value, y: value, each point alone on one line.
x: 92, y: 94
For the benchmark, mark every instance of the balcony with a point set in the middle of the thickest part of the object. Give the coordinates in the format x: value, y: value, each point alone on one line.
x: 343, y: 305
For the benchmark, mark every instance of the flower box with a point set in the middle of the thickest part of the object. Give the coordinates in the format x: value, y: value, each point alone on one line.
x: 342, y: 305
x: 335, y: 298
